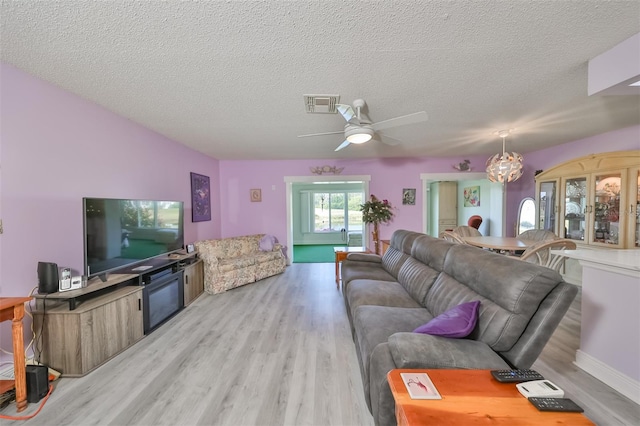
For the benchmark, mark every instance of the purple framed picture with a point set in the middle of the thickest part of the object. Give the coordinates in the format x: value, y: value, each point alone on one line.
x: 200, y: 198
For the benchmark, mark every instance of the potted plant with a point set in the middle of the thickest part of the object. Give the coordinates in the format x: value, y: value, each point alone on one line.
x: 376, y: 212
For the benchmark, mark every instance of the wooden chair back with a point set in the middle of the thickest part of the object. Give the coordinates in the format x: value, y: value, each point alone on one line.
x: 452, y: 237
x: 537, y: 235
x: 466, y: 231
x: 540, y: 253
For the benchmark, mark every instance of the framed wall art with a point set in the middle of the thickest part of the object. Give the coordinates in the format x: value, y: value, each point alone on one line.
x: 472, y: 196
x: 409, y: 196
x: 200, y: 198
x: 255, y: 195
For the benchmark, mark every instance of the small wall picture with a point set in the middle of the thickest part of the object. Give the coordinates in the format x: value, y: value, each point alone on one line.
x: 200, y: 198
x: 409, y: 196
x: 472, y: 196
x: 255, y: 195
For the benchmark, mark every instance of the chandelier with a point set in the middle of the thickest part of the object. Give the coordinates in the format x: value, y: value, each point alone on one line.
x: 506, y: 167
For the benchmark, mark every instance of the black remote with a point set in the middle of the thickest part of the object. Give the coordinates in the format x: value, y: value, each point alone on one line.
x: 516, y: 376
x: 556, y: 404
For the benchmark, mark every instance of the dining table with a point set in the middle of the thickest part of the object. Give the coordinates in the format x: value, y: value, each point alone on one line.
x: 499, y: 243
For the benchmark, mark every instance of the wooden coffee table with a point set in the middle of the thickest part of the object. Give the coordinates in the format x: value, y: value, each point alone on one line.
x: 341, y: 254
x: 471, y: 397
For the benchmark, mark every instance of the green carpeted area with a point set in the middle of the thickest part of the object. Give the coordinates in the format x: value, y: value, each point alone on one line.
x: 314, y: 253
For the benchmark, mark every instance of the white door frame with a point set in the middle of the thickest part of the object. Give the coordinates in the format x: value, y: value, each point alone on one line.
x: 290, y: 180
x: 427, y: 178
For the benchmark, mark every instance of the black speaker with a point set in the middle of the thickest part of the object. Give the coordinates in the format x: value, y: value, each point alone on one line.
x: 47, y: 277
x: 37, y: 382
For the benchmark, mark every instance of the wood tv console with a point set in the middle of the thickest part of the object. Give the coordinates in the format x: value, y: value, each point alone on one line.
x: 84, y: 328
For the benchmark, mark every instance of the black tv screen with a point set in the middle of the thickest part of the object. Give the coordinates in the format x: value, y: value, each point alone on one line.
x: 119, y: 233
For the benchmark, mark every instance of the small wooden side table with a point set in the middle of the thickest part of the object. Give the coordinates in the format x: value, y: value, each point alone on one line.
x: 471, y: 397
x: 385, y: 246
x: 341, y: 254
x: 12, y: 308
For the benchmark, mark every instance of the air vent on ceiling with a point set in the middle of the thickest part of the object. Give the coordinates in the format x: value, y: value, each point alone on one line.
x: 321, y: 104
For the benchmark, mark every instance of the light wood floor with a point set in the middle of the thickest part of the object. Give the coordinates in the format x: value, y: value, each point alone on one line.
x: 271, y: 353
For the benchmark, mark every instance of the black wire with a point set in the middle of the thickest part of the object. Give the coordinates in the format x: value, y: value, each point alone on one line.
x: 37, y: 349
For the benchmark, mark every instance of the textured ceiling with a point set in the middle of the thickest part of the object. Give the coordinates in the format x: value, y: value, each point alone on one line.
x: 228, y: 78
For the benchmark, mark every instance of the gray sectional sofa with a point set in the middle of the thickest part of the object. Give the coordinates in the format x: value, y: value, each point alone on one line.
x: 420, y: 277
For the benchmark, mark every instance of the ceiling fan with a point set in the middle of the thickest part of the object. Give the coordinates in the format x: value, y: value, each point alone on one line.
x: 359, y: 128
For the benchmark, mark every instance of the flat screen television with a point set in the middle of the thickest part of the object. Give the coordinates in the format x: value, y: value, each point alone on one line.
x: 119, y: 233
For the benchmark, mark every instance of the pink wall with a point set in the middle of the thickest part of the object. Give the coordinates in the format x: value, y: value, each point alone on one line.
x: 388, y: 178
x: 57, y: 148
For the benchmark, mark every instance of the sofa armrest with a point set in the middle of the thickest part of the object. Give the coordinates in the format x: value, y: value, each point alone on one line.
x: 365, y: 257
x: 206, y: 254
x: 417, y: 350
x: 209, y: 258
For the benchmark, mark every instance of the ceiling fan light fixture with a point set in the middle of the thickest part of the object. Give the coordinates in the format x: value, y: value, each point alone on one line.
x: 359, y: 135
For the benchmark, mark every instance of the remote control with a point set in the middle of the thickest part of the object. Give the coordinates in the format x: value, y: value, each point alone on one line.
x: 516, y: 376
x: 556, y: 404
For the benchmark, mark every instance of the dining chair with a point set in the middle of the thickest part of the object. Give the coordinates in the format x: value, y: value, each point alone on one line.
x: 452, y: 237
x: 540, y: 253
x: 475, y: 221
x: 537, y: 235
x: 466, y: 231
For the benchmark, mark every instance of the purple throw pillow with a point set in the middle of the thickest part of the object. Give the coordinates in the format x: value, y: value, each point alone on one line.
x: 457, y: 322
x: 267, y: 242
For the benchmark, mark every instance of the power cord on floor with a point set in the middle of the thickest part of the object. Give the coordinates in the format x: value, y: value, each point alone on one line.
x: 2, y: 416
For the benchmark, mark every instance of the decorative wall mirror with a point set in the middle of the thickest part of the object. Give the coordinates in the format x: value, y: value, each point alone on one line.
x: 526, y: 215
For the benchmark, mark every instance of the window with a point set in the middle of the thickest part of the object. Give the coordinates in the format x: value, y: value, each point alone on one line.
x: 335, y: 211
x: 526, y: 215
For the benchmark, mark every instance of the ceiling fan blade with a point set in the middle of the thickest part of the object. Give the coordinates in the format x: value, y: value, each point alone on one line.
x: 416, y: 117
x: 347, y: 112
x: 341, y: 132
x: 388, y: 140
x: 343, y: 145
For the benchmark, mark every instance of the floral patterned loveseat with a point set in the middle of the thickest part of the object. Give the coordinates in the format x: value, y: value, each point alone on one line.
x: 235, y: 261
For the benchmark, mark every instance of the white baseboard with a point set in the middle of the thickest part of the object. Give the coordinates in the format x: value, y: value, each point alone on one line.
x: 608, y: 375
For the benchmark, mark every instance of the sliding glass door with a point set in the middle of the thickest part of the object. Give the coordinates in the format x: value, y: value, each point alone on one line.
x: 337, y: 211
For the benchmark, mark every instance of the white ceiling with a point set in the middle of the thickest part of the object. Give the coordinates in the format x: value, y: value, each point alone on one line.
x: 228, y: 78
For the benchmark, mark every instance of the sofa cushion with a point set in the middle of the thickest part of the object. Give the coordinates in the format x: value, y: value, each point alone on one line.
x: 226, y: 265
x: 267, y: 242
x: 399, y: 250
x: 357, y: 270
x: 231, y: 247
x: 266, y: 256
x: 455, y: 323
x: 417, y: 278
x: 377, y: 293
x: 375, y: 324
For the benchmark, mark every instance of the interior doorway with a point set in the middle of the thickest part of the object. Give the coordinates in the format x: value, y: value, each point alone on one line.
x: 304, y: 192
x: 490, y: 201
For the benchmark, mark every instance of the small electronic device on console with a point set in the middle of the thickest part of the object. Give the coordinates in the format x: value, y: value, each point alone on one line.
x: 540, y: 389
